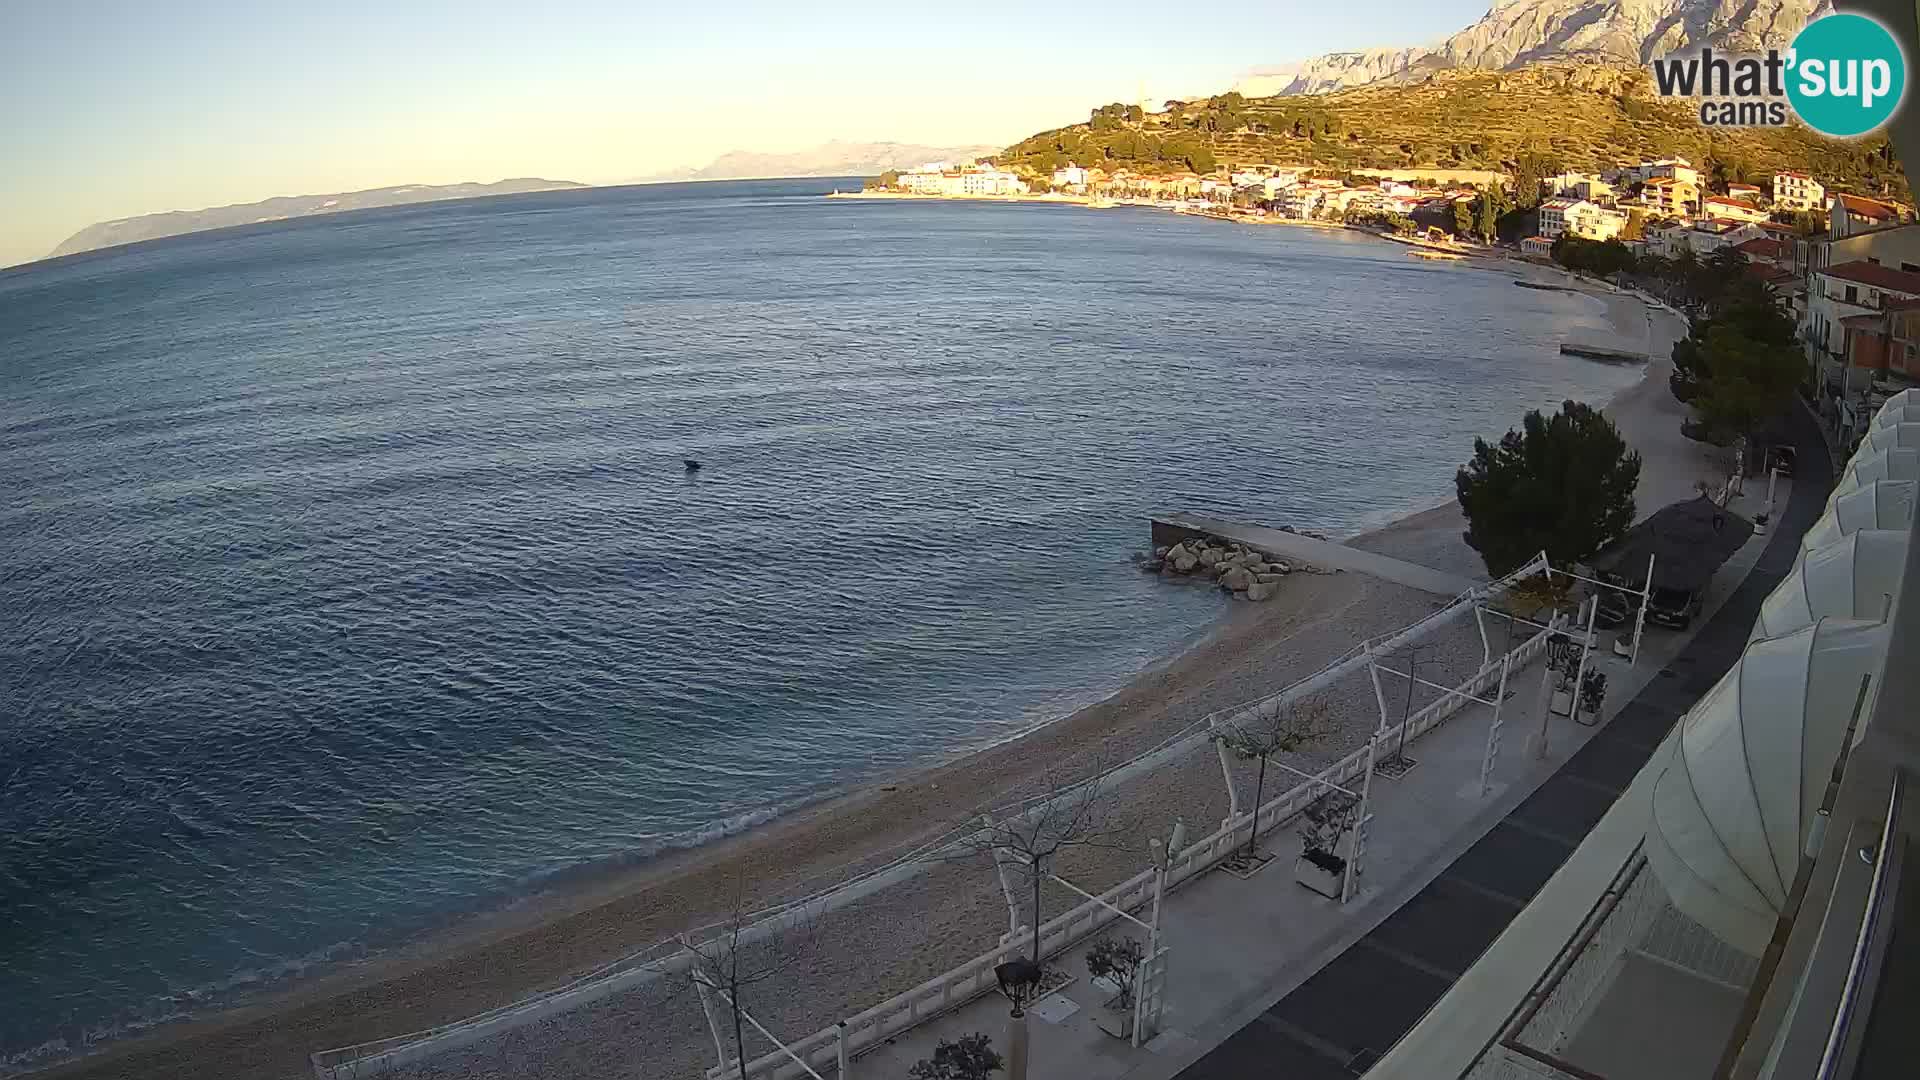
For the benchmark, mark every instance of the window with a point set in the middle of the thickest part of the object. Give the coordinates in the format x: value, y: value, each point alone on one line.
x: 1853, y: 295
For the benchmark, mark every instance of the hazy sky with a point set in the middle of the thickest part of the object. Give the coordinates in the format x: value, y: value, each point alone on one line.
x: 113, y: 109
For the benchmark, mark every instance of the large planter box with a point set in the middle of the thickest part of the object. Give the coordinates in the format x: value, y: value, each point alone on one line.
x: 1321, y: 872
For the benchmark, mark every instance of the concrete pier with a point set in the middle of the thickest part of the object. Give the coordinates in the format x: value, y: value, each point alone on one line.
x: 1169, y: 529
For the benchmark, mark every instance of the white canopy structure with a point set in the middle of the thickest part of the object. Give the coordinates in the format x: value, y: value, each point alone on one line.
x: 1905, y: 399
x: 1864, y: 469
x: 1854, y: 577
x: 1897, y: 414
x: 1883, y: 504
x: 1745, y: 772
x: 1890, y: 436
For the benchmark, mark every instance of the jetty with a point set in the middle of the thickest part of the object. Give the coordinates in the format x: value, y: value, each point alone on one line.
x: 1603, y: 352
x: 1170, y: 529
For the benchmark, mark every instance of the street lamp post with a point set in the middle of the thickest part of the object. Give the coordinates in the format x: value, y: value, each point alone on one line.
x: 1019, y: 980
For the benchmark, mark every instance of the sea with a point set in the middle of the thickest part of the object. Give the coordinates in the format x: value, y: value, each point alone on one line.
x: 353, y: 579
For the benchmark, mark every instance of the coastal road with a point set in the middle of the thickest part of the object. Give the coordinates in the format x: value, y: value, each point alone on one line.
x: 1347, y: 1015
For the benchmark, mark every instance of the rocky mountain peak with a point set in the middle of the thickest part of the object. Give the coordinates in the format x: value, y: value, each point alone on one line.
x: 1514, y: 33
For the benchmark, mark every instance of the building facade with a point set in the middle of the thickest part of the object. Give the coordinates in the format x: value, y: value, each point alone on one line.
x: 1798, y: 191
x: 1666, y: 196
x: 1850, y: 214
x: 1727, y: 208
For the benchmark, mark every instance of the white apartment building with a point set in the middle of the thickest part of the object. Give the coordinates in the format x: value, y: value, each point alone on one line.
x: 981, y: 181
x: 1553, y: 216
x: 1272, y: 186
x: 1727, y: 208
x: 1700, y: 237
x: 1578, y: 185
x: 1070, y: 176
x: 1595, y: 222
x: 1580, y: 218
x: 1798, y: 191
x: 1852, y: 288
x: 1664, y: 169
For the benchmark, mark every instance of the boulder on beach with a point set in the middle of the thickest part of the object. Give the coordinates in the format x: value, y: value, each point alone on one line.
x: 1282, y: 568
x: 1236, y: 578
x: 1161, y: 551
x: 1261, y: 590
x: 1209, y: 556
x: 1185, y: 562
x: 1152, y: 566
x: 1269, y: 579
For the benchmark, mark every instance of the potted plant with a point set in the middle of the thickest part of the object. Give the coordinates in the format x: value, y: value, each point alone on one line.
x: 970, y: 1057
x: 1760, y: 524
x: 1115, y: 963
x: 1593, y: 691
x: 1324, y: 822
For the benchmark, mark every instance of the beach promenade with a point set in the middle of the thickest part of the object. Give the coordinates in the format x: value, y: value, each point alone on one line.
x: 946, y: 913
x: 1266, y: 978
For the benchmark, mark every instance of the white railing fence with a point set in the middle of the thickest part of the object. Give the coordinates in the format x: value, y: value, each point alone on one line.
x: 975, y: 978
x: 964, y: 982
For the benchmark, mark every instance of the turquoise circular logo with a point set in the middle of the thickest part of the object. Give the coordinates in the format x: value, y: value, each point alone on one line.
x: 1846, y: 75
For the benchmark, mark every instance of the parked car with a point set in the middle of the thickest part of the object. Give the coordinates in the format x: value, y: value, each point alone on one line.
x: 1673, y: 608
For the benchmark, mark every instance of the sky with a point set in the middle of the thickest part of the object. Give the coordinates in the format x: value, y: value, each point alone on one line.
x: 113, y: 109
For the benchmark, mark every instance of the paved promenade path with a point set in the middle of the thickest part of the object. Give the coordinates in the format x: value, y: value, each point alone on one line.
x: 1322, y: 553
x: 1347, y: 1015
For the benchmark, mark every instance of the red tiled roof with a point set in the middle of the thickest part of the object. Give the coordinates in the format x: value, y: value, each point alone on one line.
x: 1880, y: 277
x: 1762, y: 247
x: 1724, y: 200
x: 1777, y: 228
x: 1869, y: 208
x: 1794, y: 175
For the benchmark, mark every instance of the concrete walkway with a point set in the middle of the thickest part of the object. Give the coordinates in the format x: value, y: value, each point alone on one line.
x: 1240, y: 947
x: 1342, y: 1021
x: 1171, y: 528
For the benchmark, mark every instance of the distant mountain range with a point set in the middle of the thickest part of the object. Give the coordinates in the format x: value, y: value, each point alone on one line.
x: 1515, y: 33
x: 177, y: 222
x: 830, y: 159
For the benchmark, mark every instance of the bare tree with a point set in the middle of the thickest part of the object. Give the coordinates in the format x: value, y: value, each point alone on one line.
x: 746, y: 952
x: 1269, y: 731
x: 1118, y: 960
x: 1032, y: 837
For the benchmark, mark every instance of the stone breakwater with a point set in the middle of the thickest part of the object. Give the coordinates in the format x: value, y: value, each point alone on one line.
x: 1246, y: 573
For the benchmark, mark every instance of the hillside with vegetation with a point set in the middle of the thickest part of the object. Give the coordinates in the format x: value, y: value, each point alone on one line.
x: 1578, y: 116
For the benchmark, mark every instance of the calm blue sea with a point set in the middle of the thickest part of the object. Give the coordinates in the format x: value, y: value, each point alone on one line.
x: 350, y: 578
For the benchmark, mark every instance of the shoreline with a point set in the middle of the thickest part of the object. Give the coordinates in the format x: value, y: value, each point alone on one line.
x: 549, y: 936
x: 1163, y: 206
